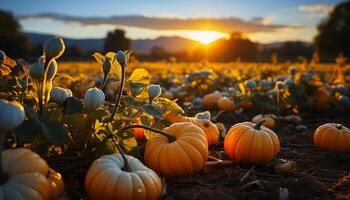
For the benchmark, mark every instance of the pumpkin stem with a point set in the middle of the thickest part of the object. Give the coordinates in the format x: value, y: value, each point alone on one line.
x: 3, y: 176
x: 339, y: 126
x: 117, y: 101
x: 171, y: 138
x: 126, y: 163
x: 259, y: 124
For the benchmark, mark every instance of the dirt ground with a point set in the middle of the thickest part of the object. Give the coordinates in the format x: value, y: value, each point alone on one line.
x: 318, y: 174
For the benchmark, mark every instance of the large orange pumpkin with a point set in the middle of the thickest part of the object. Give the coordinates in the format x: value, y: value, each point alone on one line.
x: 26, y: 175
x: 269, y: 120
x: 209, y: 128
x: 251, y: 143
x: 332, y: 136
x: 107, y: 180
x: 183, y: 157
x: 210, y: 101
x: 321, y: 98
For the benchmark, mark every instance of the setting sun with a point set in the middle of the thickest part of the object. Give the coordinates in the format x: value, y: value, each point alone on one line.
x: 205, y: 37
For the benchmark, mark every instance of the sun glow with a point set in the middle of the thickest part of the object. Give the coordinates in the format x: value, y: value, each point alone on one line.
x: 205, y: 37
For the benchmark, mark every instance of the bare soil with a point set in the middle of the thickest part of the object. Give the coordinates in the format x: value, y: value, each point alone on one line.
x: 318, y: 174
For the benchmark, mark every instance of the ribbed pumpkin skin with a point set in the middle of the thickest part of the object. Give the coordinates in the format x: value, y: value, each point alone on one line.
x: 329, y: 137
x: 269, y: 121
x: 321, y: 98
x: 183, y: 157
x: 245, y: 144
x: 106, y: 180
x: 209, y: 128
x: 26, y: 176
x: 56, y: 184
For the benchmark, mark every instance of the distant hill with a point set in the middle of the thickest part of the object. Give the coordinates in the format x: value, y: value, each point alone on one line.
x: 279, y: 44
x: 87, y: 44
x: 170, y: 44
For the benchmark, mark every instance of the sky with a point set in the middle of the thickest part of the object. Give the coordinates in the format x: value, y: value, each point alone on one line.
x: 263, y: 21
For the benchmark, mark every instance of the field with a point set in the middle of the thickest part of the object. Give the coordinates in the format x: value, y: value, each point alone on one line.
x: 317, y: 175
x: 75, y: 112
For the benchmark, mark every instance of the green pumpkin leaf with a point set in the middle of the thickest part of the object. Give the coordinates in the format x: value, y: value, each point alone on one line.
x: 73, y: 105
x: 28, y: 131
x: 153, y: 111
x: 100, y: 114
x: 77, y: 120
x: 169, y: 105
x: 132, y: 101
x: 53, y: 130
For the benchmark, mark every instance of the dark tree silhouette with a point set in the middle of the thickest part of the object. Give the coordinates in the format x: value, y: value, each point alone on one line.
x: 334, y: 32
x: 237, y: 47
x: 12, y: 41
x: 115, y: 41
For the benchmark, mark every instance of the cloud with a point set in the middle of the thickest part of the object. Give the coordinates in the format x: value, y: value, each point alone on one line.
x: 225, y: 25
x: 316, y: 10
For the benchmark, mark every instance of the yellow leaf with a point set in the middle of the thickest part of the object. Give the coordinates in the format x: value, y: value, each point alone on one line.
x: 140, y: 75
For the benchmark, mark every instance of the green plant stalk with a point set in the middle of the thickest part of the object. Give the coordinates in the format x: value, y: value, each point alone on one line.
x: 103, y: 84
x: 126, y: 163
x: 120, y: 92
x: 278, y: 103
x: 43, y: 98
x: 171, y: 138
x: 3, y: 176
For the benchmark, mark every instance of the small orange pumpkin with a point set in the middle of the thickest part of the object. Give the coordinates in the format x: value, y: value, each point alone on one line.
x: 226, y: 104
x: 321, y: 98
x: 210, y: 101
x: 269, y: 120
x: 332, y: 136
x: 56, y: 184
x: 210, y: 129
x: 139, y: 133
x: 245, y: 105
x: 183, y: 157
x: 251, y: 143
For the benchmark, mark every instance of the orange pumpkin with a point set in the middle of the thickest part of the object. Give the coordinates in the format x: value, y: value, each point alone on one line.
x: 183, y: 157
x: 332, y: 136
x: 321, y: 98
x: 139, y: 133
x: 174, y: 117
x: 210, y: 101
x: 56, y: 184
x: 210, y: 129
x: 245, y: 105
x: 107, y: 180
x: 26, y: 175
x: 269, y: 120
x: 251, y: 143
x: 226, y: 104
